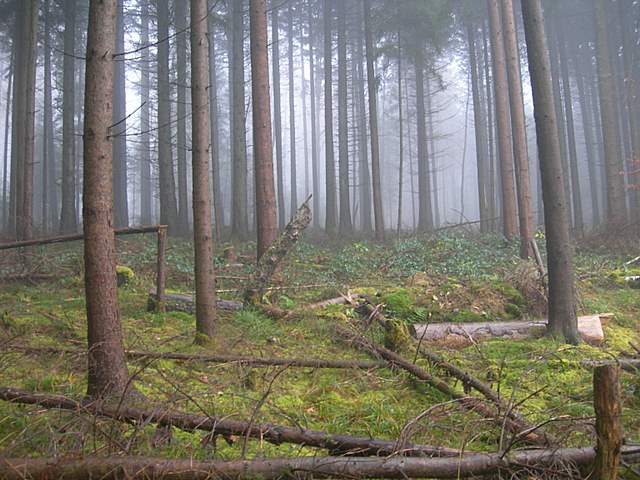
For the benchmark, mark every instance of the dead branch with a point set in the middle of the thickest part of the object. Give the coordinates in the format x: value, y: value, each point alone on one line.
x: 244, y: 360
x: 275, y: 434
x: 564, y: 460
x: 515, y: 426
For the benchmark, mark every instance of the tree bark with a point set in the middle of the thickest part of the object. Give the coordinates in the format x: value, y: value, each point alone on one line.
x: 5, y: 161
x: 491, y: 184
x: 606, y: 401
x: 364, y: 172
x: 168, y: 205
x: 263, y: 151
x: 49, y: 189
x: 346, y: 226
x: 616, y: 203
x: 562, y: 310
x: 505, y: 153
x: 277, y: 114
x: 180, y: 20
x: 330, y: 168
x: 401, y: 139
x: 518, y: 129
x: 119, y: 130
x: 107, y: 370
x: 202, y: 230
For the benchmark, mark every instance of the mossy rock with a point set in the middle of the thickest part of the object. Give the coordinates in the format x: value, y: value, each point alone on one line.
x: 124, y: 274
x: 396, y: 335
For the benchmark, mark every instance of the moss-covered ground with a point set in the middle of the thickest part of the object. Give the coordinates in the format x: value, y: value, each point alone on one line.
x: 446, y: 278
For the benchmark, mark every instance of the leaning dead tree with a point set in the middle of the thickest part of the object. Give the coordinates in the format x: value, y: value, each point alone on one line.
x: 271, y: 259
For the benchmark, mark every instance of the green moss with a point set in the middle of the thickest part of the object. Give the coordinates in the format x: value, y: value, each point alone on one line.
x: 513, y: 311
x: 125, y: 275
x: 396, y: 336
x: 465, y: 316
x: 511, y: 294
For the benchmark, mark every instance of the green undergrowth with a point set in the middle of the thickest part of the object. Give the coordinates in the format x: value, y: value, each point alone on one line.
x: 414, y: 280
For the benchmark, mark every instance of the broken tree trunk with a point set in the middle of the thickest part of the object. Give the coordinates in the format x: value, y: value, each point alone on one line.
x: 517, y: 427
x: 271, y: 259
x: 606, y: 402
x: 563, y: 461
x: 275, y: 434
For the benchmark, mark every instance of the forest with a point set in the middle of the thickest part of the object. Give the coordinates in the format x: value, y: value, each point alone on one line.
x: 297, y: 239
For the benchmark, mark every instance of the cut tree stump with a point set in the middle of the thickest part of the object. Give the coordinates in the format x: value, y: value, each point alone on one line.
x: 590, y: 328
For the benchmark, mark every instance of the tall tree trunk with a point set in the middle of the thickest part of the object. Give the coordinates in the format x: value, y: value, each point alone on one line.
x: 239, y: 215
x: 346, y: 226
x: 632, y: 103
x: 277, y: 114
x: 120, y: 202
x: 180, y: 14
x: 68, y: 213
x: 363, y: 150
x: 373, y: 125
x: 24, y: 118
x: 305, y: 124
x: 401, y: 139
x: 5, y: 161
x: 425, y: 211
x: 560, y: 114
x: 263, y: 151
x: 616, y: 203
x: 587, y: 127
x: 578, y: 222
x: 315, y: 168
x: 292, y: 117
x: 218, y: 207
x: 168, y: 205
x: 146, y: 217
x: 330, y: 168
x: 49, y: 194
x: 478, y: 119
x: 202, y: 231
x: 505, y: 154
x: 107, y: 368
x: 518, y: 129
x: 491, y: 184
x: 432, y: 148
x: 78, y: 144
x: 562, y: 312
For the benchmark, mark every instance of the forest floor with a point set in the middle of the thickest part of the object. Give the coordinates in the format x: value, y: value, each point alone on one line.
x: 450, y: 277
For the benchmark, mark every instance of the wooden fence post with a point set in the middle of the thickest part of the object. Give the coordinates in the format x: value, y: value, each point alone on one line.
x: 160, y: 277
x: 606, y: 400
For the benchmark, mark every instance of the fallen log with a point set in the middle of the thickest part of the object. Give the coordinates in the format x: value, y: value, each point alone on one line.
x: 590, y: 329
x: 240, y: 359
x: 515, y: 426
x: 173, y: 302
x: 562, y: 461
x: 271, y: 259
x: 275, y: 434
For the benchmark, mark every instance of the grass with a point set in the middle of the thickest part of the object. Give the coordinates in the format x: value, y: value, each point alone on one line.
x: 447, y: 277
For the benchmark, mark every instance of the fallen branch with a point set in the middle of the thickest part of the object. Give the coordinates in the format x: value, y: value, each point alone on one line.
x: 515, y: 426
x: 274, y: 255
x: 240, y: 359
x: 563, y: 461
x: 275, y: 434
